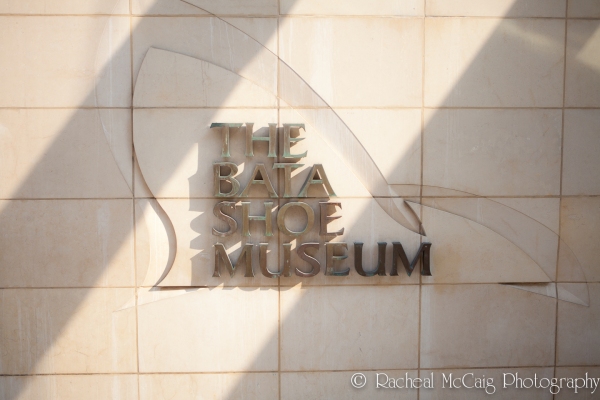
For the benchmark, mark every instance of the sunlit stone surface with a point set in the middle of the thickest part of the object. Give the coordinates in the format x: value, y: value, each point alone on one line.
x: 234, y: 199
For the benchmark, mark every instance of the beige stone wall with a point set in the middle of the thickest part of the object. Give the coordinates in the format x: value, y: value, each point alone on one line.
x: 485, y: 115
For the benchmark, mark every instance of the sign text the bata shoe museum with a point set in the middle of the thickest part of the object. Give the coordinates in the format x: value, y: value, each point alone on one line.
x: 235, y: 194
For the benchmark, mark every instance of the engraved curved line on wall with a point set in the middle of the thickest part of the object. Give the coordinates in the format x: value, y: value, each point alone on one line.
x: 526, y: 233
x: 168, y: 226
x: 437, y: 219
x: 98, y: 73
x: 384, y: 202
x: 346, y: 144
x: 171, y: 235
x: 369, y: 172
x: 156, y: 206
x: 339, y: 137
x: 547, y: 266
x: 567, y: 256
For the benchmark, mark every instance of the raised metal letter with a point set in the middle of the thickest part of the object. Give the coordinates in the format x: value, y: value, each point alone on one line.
x: 326, y: 218
x: 287, y: 175
x: 422, y: 253
x: 331, y: 258
x: 281, y: 218
x: 316, y: 265
x: 225, y: 135
x: 287, y: 141
x: 235, y: 185
x: 246, y: 218
x: 262, y: 258
x: 221, y: 254
x: 218, y: 211
x: 287, y: 259
x: 322, y: 180
x: 380, y: 260
x: 260, y: 169
x: 272, y: 139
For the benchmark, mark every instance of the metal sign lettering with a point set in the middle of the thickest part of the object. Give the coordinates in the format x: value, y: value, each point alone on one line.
x: 227, y: 186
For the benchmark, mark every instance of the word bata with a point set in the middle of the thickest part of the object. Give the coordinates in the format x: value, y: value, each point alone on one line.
x: 316, y: 177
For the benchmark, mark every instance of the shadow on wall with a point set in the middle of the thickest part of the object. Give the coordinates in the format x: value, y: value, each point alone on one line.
x: 454, y: 176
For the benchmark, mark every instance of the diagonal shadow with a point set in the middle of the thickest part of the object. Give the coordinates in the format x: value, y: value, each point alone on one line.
x: 12, y: 215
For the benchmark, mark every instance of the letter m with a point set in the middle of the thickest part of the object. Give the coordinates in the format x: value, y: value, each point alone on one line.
x: 422, y: 254
x: 221, y: 257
